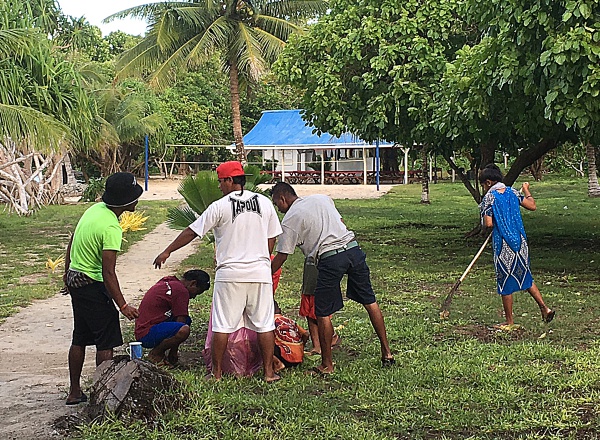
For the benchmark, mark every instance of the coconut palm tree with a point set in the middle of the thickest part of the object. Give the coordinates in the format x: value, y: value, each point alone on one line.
x: 247, y: 35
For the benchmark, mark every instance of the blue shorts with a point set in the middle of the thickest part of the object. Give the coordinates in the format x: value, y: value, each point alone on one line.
x: 160, y: 332
x: 328, y: 294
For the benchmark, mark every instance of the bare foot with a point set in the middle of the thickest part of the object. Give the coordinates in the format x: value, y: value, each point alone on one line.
x: 277, y: 365
x: 322, y: 370
x: 155, y: 359
x: 173, y: 359
x: 273, y: 379
x: 336, y: 341
x: 548, y: 316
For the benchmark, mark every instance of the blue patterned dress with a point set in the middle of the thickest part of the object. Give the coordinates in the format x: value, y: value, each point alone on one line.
x: 511, y: 253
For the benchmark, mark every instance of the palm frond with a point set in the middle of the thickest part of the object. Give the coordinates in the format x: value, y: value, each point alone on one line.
x: 15, y: 42
x: 180, y: 217
x: 214, y: 38
x: 247, y: 53
x: 256, y: 177
x: 148, y: 10
x: 293, y: 10
x: 271, y: 46
x: 139, y: 59
x: 33, y: 128
x: 164, y: 74
x: 278, y: 27
x: 200, y: 190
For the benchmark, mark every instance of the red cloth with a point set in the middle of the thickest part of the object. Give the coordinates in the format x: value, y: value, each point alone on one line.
x: 307, y: 306
x: 167, y: 299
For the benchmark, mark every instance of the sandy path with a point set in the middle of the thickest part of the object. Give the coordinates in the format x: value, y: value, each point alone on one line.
x: 166, y: 189
x: 34, y: 342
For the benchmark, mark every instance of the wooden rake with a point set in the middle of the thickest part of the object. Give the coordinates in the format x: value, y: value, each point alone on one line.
x: 445, y: 311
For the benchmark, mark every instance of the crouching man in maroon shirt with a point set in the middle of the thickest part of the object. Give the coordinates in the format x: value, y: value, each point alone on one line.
x: 164, y: 321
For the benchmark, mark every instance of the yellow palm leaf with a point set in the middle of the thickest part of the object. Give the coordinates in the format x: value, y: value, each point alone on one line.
x: 52, y: 265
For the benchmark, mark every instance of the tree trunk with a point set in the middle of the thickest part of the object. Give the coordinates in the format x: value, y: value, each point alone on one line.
x: 28, y: 181
x: 475, y: 193
x: 234, y: 90
x: 424, y: 176
x: 593, y: 186
x: 527, y: 157
x: 389, y: 159
x: 536, y: 169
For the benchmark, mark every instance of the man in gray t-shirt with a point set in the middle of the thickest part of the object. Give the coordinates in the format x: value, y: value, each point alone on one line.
x: 314, y: 225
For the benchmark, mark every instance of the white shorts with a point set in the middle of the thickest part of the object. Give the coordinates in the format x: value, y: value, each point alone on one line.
x: 236, y: 305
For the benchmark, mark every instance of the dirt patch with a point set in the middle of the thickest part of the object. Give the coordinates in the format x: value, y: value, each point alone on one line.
x: 489, y: 333
x: 34, y: 278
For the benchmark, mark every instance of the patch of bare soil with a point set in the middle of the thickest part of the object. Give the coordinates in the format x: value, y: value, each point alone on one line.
x: 486, y: 333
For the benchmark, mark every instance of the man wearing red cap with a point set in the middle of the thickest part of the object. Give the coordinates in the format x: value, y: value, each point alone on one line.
x: 245, y: 226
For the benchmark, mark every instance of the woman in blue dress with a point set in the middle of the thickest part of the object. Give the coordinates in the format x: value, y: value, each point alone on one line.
x: 500, y: 209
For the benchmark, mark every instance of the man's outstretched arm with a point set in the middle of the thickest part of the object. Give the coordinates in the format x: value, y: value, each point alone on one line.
x: 186, y: 236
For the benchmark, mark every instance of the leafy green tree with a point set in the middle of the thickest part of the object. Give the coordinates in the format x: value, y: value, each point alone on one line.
x: 43, y: 107
x: 128, y: 112
x: 40, y: 93
x: 247, y: 37
x: 419, y: 72
x: 371, y: 66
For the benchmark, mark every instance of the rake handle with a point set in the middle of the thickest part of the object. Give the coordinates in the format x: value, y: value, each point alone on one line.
x: 448, y: 299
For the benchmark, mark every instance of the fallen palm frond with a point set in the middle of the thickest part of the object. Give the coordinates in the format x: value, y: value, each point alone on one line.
x: 132, y: 221
x: 52, y: 265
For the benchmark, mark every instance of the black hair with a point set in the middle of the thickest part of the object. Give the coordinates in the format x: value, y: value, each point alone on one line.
x: 283, y: 188
x: 490, y: 172
x: 239, y: 180
x: 201, y: 278
x: 276, y: 306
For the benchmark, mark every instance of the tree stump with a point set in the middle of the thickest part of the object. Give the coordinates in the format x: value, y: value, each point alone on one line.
x: 129, y: 390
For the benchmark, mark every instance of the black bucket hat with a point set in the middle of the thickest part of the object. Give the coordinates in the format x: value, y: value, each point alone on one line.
x: 121, y: 189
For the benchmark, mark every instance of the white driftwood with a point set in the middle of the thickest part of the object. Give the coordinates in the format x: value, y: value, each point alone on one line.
x: 29, y: 180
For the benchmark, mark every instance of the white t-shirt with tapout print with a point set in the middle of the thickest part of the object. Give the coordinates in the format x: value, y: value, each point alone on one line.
x: 242, y: 225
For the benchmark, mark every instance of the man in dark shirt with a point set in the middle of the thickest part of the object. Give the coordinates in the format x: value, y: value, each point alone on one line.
x: 164, y: 321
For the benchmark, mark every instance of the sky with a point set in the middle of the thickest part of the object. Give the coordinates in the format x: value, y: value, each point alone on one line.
x: 97, y: 10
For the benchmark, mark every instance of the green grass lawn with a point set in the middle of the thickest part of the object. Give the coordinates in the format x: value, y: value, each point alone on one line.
x: 454, y: 378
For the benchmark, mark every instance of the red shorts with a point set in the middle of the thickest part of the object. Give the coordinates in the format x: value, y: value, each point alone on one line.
x: 307, y: 307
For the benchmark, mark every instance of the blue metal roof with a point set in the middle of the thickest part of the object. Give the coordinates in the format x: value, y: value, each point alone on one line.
x: 286, y: 128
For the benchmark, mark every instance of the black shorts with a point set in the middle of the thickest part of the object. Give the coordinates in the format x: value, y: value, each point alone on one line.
x: 328, y: 294
x: 95, y: 318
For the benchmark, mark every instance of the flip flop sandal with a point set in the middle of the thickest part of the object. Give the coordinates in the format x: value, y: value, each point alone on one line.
x: 163, y: 363
x: 550, y: 316
x: 83, y: 398
x: 316, y: 371
x: 388, y: 362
